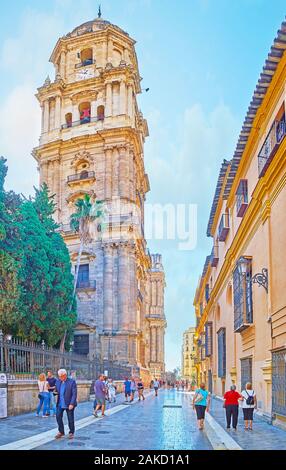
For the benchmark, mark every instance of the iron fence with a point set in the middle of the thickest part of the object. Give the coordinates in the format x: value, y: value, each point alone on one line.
x: 22, y: 360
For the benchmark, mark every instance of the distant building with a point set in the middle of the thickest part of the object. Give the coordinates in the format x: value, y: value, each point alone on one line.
x: 188, y: 370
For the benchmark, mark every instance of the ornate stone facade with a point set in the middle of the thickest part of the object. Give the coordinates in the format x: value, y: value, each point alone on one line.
x: 92, y: 143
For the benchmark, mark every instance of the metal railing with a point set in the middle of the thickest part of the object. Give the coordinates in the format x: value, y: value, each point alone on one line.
x: 85, y: 63
x: 25, y: 360
x: 86, y: 284
x: 86, y: 120
x: 81, y: 176
x: 270, y: 145
x: 21, y: 359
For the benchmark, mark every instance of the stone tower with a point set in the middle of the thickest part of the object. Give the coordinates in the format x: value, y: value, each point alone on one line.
x: 92, y: 142
x: 155, y: 316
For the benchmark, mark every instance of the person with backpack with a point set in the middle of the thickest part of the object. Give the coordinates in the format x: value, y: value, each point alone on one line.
x: 201, y: 403
x: 249, y: 404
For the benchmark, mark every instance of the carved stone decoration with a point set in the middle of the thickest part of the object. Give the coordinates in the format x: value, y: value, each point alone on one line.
x: 80, y: 157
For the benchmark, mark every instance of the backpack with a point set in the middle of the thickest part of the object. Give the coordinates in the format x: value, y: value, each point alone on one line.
x: 250, y: 399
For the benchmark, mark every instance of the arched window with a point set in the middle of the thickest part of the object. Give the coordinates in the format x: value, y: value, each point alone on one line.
x: 84, y: 110
x: 68, y: 118
x: 86, y: 57
x: 100, y: 113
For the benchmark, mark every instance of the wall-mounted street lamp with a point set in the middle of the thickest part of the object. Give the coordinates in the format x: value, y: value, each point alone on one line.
x: 260, y: 278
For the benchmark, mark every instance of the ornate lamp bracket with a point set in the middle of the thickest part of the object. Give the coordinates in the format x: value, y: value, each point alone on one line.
x: 261, y: 279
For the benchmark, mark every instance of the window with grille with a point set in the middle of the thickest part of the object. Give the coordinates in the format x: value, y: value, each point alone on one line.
x: 279, y: 382
x: 241, y: 198
x: 207, y: 292
x: 209, y: 339
x: 242, y: 298
x: 246, y: 371
x: 221, y: 353
x: 81, y: 344
x: 83, y: 275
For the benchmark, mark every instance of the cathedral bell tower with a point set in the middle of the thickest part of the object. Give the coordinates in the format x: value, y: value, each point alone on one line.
x: 91, y: 142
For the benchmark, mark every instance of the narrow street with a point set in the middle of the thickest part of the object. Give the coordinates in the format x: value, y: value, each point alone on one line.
x: 165, y: 422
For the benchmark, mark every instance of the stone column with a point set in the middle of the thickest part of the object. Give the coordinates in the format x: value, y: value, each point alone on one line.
x: 93, y: 112
x: 123, y: 172
x: 109, y: 50
x: 133, y: 289
x: 115, y: 173
x: 126, y: 55
x: 129, y: 101
x: 107, y: 288
x: 58, y: 112
x: 75, y: 112
x: 63, y: 65
x: 123, y: 288
x: 108, y: 173
x: 122, y: 98
x: 132, y: 184
x: 154, y: 302
x: 46, y: 116
x: 153, y: 344
x: 108, y: 104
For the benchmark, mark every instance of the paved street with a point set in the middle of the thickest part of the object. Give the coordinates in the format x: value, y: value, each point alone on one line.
x: 263, y: 437
x: 166, y: 422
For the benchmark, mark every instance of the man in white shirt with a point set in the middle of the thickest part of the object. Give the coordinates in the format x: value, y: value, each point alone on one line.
x: 156, y: 386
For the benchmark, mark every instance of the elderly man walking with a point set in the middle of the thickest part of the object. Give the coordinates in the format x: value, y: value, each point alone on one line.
x: 67, y: 395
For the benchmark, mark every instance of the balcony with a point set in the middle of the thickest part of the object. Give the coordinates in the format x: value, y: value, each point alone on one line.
x: 223, y: 227
x: 82, y: 285
x: 270, y: 146
x: 241, y: 198
x: 85, y: 63
x: 241, y: 323
x: 214, y: 256
x: 84, y: 176
x: 86, y: 120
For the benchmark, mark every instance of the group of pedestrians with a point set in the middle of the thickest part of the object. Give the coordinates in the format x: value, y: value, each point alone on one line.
x: 231, y: 399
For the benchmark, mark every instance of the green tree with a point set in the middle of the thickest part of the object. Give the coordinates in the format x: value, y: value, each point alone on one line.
x: 45, y: 273
x: 9, y: 288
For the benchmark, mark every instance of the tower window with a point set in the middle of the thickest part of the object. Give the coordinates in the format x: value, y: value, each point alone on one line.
x: 86, y: 57
x: 84, y: 110
x: 100, y: 113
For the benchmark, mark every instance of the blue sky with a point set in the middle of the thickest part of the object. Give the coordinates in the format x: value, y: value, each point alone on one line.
x: 201, y: 60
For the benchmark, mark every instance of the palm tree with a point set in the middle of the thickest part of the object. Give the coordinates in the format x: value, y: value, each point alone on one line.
x: 81, y: 221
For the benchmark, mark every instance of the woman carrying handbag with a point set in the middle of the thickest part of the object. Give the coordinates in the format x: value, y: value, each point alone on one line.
x: 201, y: 403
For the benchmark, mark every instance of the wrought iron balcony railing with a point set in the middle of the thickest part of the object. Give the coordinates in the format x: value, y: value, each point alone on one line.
x: 271, y: 144
x: 85, y: 63
x: 81, y: 176
x: 86, y: 284
x: 223, y: 227
x: 214, y: 256
x: 241, y: 198
x: 86, y: 120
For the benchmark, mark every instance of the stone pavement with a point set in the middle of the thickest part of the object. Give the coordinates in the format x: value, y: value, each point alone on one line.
x: 165, y: 422
x: 263, y: 437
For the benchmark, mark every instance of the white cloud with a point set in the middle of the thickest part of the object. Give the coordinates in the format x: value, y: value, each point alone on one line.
x: 19, y: 131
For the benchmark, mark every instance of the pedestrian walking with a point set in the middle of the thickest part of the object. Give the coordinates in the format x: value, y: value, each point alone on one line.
x: 44, y: 396
x: 249, y: 404
x: 156, y: 386
x: 111, y: 390
x: 66, y: 402
x: 140, y: 388
x: 201, y: 403
x: 127, y: 388
x: 100, y: 395
x: 231, y: 405
x: 52, y: 390
x: 133, y: 388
